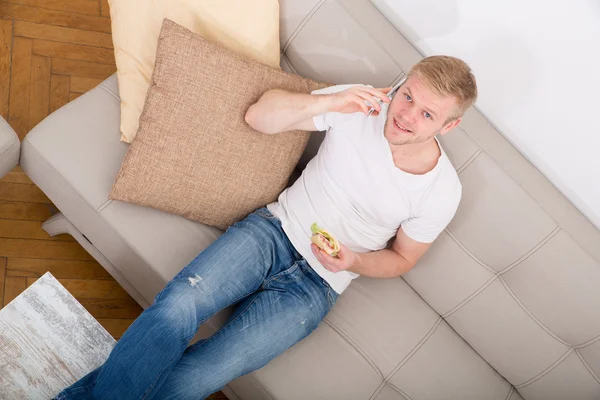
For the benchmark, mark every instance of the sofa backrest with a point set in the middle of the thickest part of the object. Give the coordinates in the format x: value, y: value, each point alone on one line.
x: 517, y: 272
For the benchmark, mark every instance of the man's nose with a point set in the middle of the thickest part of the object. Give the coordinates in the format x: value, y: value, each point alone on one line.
x: 411, y: 115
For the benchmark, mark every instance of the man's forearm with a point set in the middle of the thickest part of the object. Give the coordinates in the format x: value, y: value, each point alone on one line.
x: 278, y: 110
x: 384, y: 263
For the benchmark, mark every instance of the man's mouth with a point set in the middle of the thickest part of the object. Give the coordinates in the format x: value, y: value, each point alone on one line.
x: 401, y: 127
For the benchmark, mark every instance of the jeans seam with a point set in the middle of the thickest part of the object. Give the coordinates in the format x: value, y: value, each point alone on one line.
x: 77, y: 389
x: 275, y: 277
x: 329, y: 298
x: 145, y: 395
x: 210, y: 339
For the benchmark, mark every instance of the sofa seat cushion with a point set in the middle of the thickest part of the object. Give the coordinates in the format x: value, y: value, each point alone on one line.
x: 74, y: 156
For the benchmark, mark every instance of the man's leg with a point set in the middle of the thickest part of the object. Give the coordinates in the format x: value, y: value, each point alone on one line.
x: 232, y: 268
x: 289, y: 307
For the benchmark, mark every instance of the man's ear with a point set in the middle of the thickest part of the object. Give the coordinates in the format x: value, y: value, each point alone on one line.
x: 450, y: 125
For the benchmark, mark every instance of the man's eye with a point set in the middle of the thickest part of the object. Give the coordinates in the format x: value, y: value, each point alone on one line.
x: 408, y: 97
x: 426, y: 115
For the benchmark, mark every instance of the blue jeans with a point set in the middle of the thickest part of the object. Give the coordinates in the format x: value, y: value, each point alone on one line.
x: 280, y: 300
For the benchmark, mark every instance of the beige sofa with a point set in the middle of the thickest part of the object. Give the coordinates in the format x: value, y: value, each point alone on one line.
x: 504, y: 306
x: 10, y: 147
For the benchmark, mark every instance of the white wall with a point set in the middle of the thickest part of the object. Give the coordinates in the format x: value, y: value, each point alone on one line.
x: 537, y: 65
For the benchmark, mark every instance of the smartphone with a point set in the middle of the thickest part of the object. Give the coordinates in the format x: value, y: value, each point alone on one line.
x: 390, y: 94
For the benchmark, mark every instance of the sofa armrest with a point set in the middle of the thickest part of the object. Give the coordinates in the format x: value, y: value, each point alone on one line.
x: 10, y: 147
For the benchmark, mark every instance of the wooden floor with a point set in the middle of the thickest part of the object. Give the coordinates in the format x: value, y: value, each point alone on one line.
x: 52, y: 51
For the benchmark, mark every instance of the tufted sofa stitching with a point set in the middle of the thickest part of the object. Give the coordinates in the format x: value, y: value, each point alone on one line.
x: 467, y: 252
x: 533, y: 250
x: 289, y: 64
x: 470, y: 297
x: 510, y: 392
x: 516, y: 182
x: 415, y: 349
x: 302, y: 23
x: 469, y: 161
x: 355, y: 345
x: 400, y: 391
x: 588, y: 343
x: 359, y: 23
x: 587, y: 366
x: 532, y: 315
x: 545, y: 372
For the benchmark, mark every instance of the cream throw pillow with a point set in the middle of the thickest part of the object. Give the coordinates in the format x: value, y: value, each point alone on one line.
x: 247, y: 27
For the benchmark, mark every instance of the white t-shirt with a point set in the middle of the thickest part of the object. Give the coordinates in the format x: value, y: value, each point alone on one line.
x: 353, y: 189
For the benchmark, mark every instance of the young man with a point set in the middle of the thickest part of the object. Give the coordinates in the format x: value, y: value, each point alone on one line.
x: 376, y: 178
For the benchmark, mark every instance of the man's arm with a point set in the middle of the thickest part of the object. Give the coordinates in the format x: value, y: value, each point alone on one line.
x: 386, y: 263
x: 281, y: 111
x: 390, y: 263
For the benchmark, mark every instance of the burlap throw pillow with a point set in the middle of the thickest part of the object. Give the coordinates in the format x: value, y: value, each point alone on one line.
x: 194, y: 154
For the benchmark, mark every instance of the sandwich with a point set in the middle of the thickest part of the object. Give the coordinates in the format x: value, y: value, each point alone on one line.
x: 325, y: 240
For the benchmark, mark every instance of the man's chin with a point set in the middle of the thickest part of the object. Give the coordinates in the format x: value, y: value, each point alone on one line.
x: 399, y: 138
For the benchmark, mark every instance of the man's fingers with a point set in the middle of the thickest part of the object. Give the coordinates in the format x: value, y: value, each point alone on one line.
x: 371, y: 100
x: 361, y: 103
x: 379, y: 93
x: 326, y: 260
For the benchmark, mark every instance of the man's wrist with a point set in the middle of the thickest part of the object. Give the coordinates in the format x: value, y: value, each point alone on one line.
x: 321, y: 105
x: 358, y: 264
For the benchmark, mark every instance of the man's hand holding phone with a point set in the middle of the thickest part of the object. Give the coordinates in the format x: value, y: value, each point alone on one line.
x: 356, y: 98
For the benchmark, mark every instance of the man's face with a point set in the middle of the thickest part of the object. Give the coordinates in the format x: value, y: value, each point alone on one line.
x: 416, y: 114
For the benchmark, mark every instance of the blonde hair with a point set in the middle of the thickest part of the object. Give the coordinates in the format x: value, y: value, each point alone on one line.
x: 448, y: 76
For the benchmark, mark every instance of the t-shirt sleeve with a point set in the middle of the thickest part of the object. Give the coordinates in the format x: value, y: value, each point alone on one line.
x: 435, y: 216
x: 326, y: 121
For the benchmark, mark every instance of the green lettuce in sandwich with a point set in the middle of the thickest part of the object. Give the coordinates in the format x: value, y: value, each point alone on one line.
x: 325, y: 240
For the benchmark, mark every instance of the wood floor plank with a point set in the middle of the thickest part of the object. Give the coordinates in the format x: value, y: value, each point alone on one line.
x: 39, y: 97
x: 16, y: 176
x: 3, y: 262
x: 36, y: 15
x: 81, y: 85
x: 18, y: 111
x: 90, y: 288
x: 81, y: 68
x: 89, y: 7
x: 73, y: 96
x: 23, y: 193
x: 23, y: 211
x: 29, y: 248
x: 5, y: 54
x: 116, y: 327
x: 104, y: 9
x: 28, y: 230
x: 13, y: 286
x: 61, y: 34
x: 61, y: 269
x: 112, y: 308
x: 69, y: 51
x: 59, y: 91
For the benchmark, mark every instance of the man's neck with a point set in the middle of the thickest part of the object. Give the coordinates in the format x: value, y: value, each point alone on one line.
x: 416, y: 158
